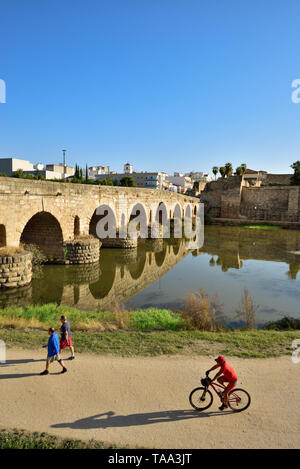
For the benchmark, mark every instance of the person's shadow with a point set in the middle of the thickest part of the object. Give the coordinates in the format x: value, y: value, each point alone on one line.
x: 110, y: 420
x: 8, y: 363
x: 17, y: 362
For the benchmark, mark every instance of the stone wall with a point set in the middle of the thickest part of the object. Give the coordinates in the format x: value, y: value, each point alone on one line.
x: 270, y: 203
x: 284, y: 179
x: 16, y: 270
x: 84, y: 251
x: 222, y: 197
x: 72, y: 206
x: 234, y: 198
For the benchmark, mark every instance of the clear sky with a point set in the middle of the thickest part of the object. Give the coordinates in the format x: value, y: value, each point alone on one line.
x: 169, y: 85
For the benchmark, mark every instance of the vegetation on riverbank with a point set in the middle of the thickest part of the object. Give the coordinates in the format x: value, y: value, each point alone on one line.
x: 21, y: 439
x: 260, y: 226
x: 244, y: 344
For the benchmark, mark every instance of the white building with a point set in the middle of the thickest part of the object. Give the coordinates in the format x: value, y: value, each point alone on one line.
x: 9, y: 165
x: 128, y: 168
x: 183, y: 182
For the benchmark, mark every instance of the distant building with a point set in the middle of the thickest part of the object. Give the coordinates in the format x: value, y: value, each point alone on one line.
x: 9, y: 165
x: 251, y: 173
x: 155, y: 180
x: 199, y: 176
x: 128, y: 168
x: 64, y: 170
x: 94, y: 171
x: 182, y: 182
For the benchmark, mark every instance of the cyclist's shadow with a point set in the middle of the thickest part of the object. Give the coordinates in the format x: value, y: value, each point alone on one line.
x: 109, y: 419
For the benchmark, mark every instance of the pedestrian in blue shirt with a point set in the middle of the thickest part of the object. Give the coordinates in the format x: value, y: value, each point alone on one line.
x: 53, y: 352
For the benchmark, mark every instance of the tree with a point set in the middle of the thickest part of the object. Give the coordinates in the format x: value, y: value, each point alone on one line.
x: 295, y: 179
x: 19, y: 174
x: 222, y: 171
x: 244, y: 167
x: 86, y: 173
x: 106, y: 182
x: 127, y: 181
x: 239, y: 171
x: 215, y: 171
x: 228, y: 169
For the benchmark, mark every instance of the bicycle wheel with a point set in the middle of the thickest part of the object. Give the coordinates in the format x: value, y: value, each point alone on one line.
x: 238, y: 399
x: 201, y: 399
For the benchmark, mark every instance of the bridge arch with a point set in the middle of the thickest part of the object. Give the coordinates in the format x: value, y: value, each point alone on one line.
x: 2, y: 236
x: 138, y: 211
x: 104, y: 210
x: 44, y: 230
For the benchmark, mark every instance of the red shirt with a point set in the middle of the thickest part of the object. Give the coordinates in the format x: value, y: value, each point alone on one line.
x: 229, y: 372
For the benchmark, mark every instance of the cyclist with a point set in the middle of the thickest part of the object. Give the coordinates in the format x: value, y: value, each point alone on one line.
x: 226, y: 374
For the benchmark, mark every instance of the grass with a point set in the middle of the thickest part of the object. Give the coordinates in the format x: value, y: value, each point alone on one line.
x: 11, y: 251
x: 48, y: 315
x: 21, y: 439
x: 244, y: 344
x: 260, y: 227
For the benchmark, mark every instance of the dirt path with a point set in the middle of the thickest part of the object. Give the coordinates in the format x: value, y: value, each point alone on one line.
x: 144, y: 401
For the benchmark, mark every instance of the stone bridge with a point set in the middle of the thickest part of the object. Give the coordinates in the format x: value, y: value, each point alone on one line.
x: 120, y: 275
x: 50, y: 214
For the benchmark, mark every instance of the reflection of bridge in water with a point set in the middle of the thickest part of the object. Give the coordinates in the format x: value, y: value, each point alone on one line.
x: 119, y: 275
x: 230, y: 246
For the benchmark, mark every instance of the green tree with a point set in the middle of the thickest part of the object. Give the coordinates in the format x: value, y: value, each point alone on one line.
x: 239, y: 171
x: 222, y: 171
x: 244, y: 167
x: 127, y: 181
x: 295, y: 179
x: 228, y: 169
x: 19, y: 174
x: 215, y: 171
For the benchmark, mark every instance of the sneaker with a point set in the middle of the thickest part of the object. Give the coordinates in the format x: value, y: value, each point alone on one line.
x: 64, y: 370
x: 72, y: 357
x: 45, y: 372
x: 223, y: 406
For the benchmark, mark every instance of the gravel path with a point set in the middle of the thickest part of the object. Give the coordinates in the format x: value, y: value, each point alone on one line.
x: 143, y: 402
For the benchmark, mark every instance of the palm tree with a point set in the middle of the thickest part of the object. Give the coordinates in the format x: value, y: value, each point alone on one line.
x: 228, y: 169
x: 239, y: 171
x: 222, y: 171
x: 244, y: 167
x: 215, y: 171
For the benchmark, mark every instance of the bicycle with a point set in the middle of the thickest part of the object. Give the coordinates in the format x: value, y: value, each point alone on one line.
x: 202, y: 398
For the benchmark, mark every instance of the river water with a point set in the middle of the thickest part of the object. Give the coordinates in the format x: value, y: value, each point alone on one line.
x: 161, y: 273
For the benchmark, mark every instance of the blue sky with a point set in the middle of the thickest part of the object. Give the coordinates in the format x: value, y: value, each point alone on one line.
x: 170, y: 85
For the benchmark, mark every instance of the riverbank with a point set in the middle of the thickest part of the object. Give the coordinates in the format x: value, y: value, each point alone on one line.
x: 243, y: 344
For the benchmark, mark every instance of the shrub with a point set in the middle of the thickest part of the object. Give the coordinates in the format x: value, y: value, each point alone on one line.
x: 38, y: 257
x: 202, y: 311
x: 247, y: 309
x: 152, y: 318
x: 285, y: 324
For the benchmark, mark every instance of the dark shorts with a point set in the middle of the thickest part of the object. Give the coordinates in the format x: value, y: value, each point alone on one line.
x: 64, y: 343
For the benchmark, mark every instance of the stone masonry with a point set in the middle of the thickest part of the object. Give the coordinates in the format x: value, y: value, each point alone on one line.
x: 29, y: 207
x: 15, y: 270
x: 84, y: 251
x: 234, y: 198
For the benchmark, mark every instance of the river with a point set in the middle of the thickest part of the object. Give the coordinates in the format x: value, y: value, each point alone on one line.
x: 161, y: 273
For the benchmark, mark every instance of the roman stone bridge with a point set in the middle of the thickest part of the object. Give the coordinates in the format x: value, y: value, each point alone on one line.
x: 100, y: 287
x: 50, y: 214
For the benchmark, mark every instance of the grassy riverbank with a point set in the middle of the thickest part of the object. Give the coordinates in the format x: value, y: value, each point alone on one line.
x: 144, y: 332
x: 244, y: 344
